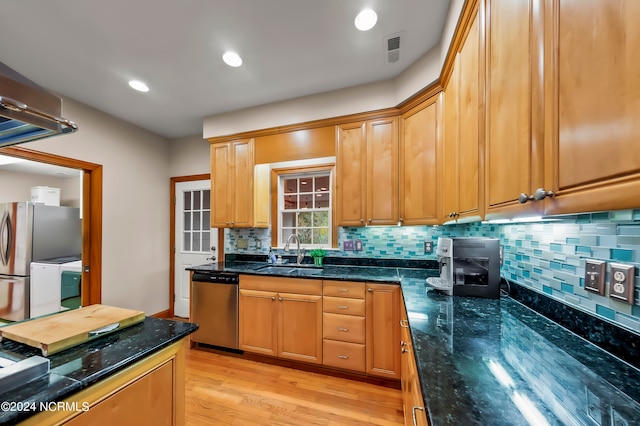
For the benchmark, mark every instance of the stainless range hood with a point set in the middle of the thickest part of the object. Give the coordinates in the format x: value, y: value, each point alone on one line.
x: 27, y: 111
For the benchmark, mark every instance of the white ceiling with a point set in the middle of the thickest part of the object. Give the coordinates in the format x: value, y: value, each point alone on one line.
x: 88, y: 50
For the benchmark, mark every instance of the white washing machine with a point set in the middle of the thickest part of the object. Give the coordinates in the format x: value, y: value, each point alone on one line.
x: 44, y: 293
x: 46, y: 286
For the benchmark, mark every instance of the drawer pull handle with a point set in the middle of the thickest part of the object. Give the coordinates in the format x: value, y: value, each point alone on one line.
x: 343, y: 290
x: 343, y: 329
x: 343, y: 307
x: 343, y: 356
x: 413, y: 414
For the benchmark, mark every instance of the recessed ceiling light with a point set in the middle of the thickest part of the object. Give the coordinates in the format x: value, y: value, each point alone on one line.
x: 232, y: 59
x: 366, y: 20
x: 139, y: 86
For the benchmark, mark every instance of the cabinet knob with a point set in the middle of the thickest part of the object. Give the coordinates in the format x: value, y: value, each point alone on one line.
x: 370, y: 290
x: 361, y: 220
x: 280, y: 299
x: 401, y: 220
x: 523, y: 198
x: 273, y: 298
x: 541, y: 194
x: 370, y: 220
x: 404, y: 350
x: 404, y: 323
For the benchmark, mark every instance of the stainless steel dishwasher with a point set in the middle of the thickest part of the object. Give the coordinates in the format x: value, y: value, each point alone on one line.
x: 215, y: 308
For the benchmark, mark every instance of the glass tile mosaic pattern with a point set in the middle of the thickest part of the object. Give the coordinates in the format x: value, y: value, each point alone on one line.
x: 548, y: 257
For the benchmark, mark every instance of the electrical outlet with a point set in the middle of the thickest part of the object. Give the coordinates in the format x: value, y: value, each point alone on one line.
x: 594, y: 271
x: 347, y: 245
x: 242, y: 243
x: 358, y: 245
x: 258, y: 243
x: 428, y: 247
x: 621, y: 285
x: 501, y: 255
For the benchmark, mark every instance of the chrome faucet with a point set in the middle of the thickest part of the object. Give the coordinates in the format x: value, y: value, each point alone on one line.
x: 300, y: 253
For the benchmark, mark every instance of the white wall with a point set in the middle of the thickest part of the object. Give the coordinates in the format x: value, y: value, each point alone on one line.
x: 189, y: 156
x: 135, y: 228
x: 16, y: 186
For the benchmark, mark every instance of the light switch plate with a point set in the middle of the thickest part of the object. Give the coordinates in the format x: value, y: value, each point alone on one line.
x: 594, y: 271
x: 621, y: 285
x: 358, y: 245
x: 347, y: 245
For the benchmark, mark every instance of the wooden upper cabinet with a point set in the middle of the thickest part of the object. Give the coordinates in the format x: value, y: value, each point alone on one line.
x: 221, y: 182
x: 382, y: 171
x: 514, y: 122
x: 240, y: 190
x: 463, y: 183
x: 367, y: 173
x: 592, y: 105
x: 351, y: 169
x: 419, y: 170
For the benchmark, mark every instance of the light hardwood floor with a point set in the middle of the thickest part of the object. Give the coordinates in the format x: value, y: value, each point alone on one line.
x: 228, y: 390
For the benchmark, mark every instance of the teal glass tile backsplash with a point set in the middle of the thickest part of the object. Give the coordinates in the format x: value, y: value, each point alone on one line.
x: 548, y: 257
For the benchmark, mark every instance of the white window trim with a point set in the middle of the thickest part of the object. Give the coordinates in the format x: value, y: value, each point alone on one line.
x: 281, y: 210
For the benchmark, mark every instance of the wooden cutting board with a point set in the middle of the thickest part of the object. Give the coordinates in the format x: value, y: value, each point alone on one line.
x: 57, y: 332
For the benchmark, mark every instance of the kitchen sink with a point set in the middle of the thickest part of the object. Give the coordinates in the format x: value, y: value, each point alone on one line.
x: 17, y: 373
x: 289, y: 270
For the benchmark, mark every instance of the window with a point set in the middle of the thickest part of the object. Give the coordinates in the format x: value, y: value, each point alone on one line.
x: 304, y: 208
x: 196, y: 221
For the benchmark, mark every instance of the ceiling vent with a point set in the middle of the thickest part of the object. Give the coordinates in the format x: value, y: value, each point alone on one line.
x: 392, y: 48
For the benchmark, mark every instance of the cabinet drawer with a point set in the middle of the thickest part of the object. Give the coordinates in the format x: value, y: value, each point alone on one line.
x: 350, y: 289
x: 350, y: 356
x: 342, y: 305
x: 345, y: 328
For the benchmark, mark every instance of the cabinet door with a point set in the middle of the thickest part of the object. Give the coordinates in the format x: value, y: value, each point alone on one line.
x: 419, y: 170
x: 146, y: 401
x: 470, y: 181
x: 258, y: 322
x: 221, y: 185
x: 382, y: 172
x: 242, y: 196
x: 383, y: 330
x: 351, y: 166
x: 450, y: 172
x: 513, y: 123
x: 594, y: 153
x: 300, y: 327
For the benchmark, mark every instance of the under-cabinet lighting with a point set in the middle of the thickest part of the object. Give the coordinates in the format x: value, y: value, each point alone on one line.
x: 519, y: 220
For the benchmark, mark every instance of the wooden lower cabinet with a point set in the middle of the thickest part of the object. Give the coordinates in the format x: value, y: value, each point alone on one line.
x: 412, y: 400
x: 344, y: 325
x: 383, y: 330
x: 150, y: 392
x: 281, y: 317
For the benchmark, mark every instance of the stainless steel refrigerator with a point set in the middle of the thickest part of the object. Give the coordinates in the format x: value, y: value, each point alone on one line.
x: 32, y: 232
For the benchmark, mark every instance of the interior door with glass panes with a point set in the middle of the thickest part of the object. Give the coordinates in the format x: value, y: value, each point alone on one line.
x: 196, y: 242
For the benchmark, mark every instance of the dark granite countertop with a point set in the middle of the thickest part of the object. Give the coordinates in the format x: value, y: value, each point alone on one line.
x: 497, y: 362
x: 494, y: 361
x: 83, y: 365
x: 390, y: 274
